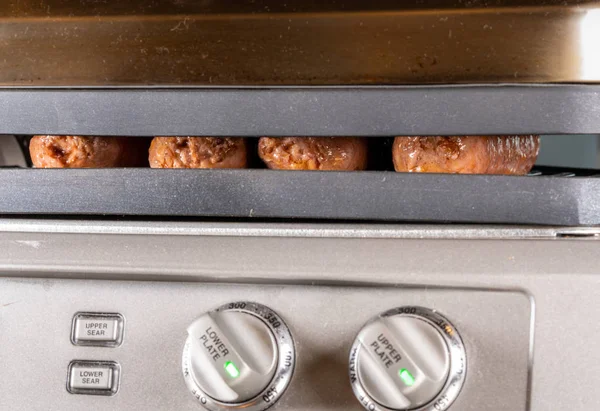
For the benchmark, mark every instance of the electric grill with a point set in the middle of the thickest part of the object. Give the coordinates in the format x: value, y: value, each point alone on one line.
x: 479, y: 289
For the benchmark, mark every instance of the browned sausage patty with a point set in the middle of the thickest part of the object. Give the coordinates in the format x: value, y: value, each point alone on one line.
x: 466, y: 154
x: 87, y: 152
x: 314, y: 153
x: 198, y: 152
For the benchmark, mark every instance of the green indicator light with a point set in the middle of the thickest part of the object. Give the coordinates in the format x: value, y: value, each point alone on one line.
x: 232, y: 369
x: 406, y: 377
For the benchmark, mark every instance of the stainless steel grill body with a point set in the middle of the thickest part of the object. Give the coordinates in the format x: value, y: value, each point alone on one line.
x: 524, y: 298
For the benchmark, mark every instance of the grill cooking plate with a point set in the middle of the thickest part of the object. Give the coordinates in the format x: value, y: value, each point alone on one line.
x: 549, y: 196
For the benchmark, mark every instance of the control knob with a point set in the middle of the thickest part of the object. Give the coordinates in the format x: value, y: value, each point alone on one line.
x: 239, y: 356
x: 408, y: 358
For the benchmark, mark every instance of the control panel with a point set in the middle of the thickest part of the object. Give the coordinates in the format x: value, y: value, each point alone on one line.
x: 164, y: 346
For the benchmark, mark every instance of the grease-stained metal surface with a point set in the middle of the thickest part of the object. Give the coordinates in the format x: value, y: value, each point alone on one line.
x: 187, y: 43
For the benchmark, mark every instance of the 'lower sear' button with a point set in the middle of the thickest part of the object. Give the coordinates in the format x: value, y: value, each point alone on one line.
x: 93, y: 377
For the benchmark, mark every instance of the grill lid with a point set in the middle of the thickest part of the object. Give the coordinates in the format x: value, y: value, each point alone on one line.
x: 269, y: 42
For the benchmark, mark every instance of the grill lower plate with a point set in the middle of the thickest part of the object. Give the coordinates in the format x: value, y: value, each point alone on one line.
x: 565, y: 197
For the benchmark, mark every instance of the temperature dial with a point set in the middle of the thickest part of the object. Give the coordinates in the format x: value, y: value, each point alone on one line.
x: 239, y: 356
x: 408, y: 358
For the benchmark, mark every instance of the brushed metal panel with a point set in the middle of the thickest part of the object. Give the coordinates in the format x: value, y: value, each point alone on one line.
x: 324, y: 321
x: 296, y: 230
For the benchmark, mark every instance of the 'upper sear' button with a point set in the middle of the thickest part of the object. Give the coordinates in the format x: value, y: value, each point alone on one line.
x: 97, y: 329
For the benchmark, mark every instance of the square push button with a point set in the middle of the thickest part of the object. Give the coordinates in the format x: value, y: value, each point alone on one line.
x: 93, y: 377
x: 97, y: 329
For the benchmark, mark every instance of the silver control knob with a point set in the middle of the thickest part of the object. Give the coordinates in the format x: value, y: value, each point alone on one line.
x: 239, y: 356
x: 408, y: 358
